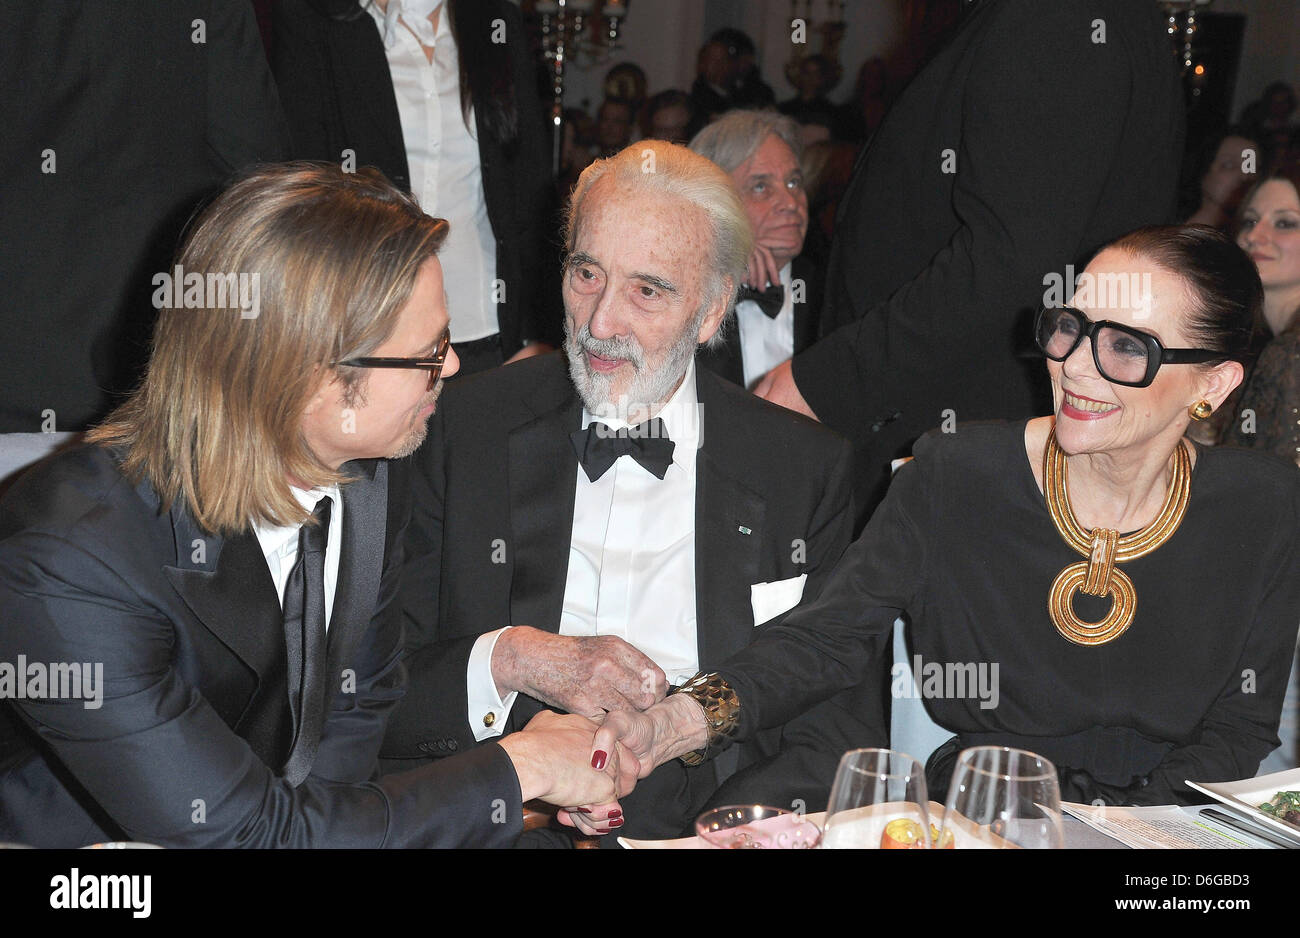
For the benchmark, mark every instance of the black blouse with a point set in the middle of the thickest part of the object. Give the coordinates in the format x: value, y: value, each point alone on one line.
x: 964, y: 545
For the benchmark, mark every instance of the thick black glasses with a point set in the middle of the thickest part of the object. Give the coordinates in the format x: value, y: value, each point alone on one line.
x: 1123, y: 355
x: 433, y: 365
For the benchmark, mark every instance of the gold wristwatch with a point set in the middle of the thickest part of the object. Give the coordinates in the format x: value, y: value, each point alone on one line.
x: 721, y: 709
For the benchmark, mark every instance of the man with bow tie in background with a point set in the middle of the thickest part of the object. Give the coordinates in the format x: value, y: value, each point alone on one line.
x: 780, y: 298
x: 591, y: 527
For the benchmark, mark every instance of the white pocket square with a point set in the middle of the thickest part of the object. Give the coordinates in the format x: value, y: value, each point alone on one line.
x: 769, y: 600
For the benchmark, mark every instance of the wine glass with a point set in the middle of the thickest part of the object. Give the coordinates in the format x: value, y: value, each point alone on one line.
x: 756, y: 827
x: 879, y: 800
x: 1002, y: 798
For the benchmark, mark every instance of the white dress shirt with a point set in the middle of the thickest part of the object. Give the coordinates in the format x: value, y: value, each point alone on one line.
x: 631, y: 570
x: 765, y: 342
x: 280, y: 545
x: 446, y: 174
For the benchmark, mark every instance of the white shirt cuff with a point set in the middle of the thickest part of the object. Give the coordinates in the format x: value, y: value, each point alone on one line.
x: 487, y: 711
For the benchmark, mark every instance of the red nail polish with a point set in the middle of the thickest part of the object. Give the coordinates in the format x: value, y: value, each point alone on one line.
x: 615, y: 813
x: 598, y: 759
x: 617, y: 822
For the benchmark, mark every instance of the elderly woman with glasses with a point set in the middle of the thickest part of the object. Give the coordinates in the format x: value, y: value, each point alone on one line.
x: 1129, y: 599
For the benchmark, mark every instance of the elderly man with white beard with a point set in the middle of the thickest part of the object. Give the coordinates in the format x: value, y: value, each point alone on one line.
x: 597, y: 526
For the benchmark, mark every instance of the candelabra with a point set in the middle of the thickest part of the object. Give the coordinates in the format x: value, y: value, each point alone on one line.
x: 1182, y: 34
x: 575, y: 32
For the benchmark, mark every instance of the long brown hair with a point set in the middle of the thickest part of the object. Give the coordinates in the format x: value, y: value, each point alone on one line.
x: 217, y: 419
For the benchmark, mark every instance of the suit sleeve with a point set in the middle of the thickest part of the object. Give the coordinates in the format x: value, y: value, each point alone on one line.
x: 811, y: 744
x: 536, y: 241
x: 829, y: 645
x: 1037, y: 144
x: 158, y: 760
x: 435, y: 705
x: 298, y: 61
x: 245, y: 121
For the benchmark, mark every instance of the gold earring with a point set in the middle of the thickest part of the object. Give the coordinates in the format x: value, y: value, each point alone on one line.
x: 1200, y: 410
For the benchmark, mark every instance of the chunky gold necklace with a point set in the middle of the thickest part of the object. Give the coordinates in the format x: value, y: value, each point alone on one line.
x: 1103, y: 548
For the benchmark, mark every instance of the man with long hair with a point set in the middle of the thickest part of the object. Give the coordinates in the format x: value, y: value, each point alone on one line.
x: 198, y: 604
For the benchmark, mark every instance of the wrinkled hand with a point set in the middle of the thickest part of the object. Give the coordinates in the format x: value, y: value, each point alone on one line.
x: 587, y: 675
x: 528, y: 351
x: 762, y: 269
x: 778, y: 387
x: 553, y: 757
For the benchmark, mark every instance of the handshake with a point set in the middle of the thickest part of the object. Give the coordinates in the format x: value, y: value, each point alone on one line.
x: 618, y: 727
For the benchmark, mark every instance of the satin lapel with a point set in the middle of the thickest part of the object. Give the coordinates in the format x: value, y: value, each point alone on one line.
x: 227, y: 586
x: 726, y: 557
x: 361, y: 565
x: 542, y: 471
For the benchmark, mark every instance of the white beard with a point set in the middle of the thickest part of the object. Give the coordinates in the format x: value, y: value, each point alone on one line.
x: 652, y: 384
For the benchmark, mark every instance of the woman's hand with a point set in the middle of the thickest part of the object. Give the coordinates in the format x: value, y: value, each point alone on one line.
x: 591, y: 820
x: 554, y: 759
x: 778, y: 387
x: 672, y: 727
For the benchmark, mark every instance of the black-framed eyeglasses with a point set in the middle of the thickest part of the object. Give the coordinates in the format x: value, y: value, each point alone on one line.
x: 432, y: 365
x: 1122, y: 354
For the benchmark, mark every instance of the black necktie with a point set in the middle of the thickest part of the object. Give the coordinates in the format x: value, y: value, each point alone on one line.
x: 769, y: 300
x: 304, y: 639
x: 599, y: 446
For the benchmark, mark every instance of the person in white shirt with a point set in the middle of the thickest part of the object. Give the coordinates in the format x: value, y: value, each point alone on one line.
x: 776, y: 312
x: 439, y: 95
x: 593, y: 527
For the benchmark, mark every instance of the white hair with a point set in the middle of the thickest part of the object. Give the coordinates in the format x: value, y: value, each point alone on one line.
x: 659, y: 166
x: 736, y: 136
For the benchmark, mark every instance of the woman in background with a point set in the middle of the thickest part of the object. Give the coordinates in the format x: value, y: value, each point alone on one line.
x: 1268, y: 416
x: 1224, y: 172
x: 441, y: 96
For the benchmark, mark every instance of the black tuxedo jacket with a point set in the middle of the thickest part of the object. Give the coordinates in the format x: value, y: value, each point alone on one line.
x: 498, y: 474
x: 140, y: 124
x: 187, y: 746
x: 1023, y: 145
x: 337, y: 94
x: 727, y: 360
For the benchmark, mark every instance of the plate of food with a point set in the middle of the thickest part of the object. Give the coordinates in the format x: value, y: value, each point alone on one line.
x: 1271, y: 801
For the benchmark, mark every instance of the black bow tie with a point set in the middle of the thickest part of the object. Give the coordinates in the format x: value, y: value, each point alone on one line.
x: 599, y: 446
x: 769, y: 300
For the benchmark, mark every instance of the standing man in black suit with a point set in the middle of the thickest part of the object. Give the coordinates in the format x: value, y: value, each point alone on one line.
x: 206, y: 591
x: 1038, y: 133
x: 776, y: 311
x: 590, y: 528
x: 119, y: 119
x: 441, y: 96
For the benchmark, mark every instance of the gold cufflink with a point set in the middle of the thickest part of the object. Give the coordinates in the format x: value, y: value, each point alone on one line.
x: 489, y: 719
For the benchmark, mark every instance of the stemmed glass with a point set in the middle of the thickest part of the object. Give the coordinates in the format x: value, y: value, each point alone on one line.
x: 755, y: 827
x: 1002, y: 798
x: 878, y: 800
